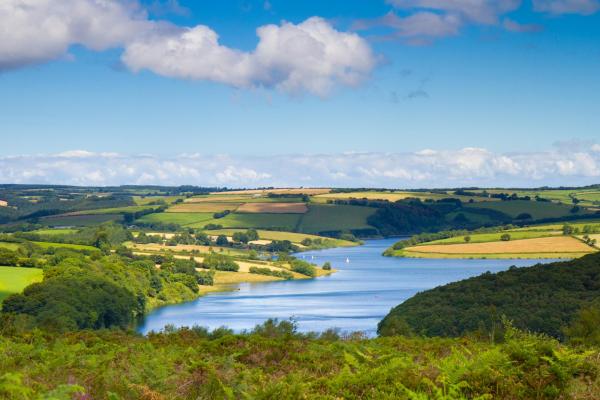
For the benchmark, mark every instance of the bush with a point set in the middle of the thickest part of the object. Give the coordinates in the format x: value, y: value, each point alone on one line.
x: 327, y: 266
x: 270, y: 272
x: 505, y: 237
x: 304, y: 268
x: 220, y: 262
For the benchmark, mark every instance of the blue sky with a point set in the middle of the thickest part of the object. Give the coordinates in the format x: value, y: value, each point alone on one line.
x: 506, y: 76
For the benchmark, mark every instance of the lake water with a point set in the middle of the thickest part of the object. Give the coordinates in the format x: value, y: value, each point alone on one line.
x: 355, y: 298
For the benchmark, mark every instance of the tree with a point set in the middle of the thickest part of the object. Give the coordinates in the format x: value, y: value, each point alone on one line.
x: 222, y: 240
x: 505, y: 237
x: 327, y: 266
x: 467, y: 239
x: 240, y: 237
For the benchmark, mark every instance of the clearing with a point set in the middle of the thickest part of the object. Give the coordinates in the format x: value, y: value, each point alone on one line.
x: 15, y: 279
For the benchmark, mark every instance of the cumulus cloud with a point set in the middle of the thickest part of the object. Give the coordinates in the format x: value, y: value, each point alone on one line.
x: 426, y: 168
x: 35, y: 31
x: 583, y: 7
x: 310, y: 56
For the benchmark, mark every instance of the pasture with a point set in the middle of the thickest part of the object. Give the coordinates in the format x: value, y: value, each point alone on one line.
x: 537, y: 209
x: 258, y: 220
x: 203, y: 207
x: 183, y: 219
x: 273, y: 208
x: 14, y: 279
x: 80, y: 220
x: 323, y: 217
x: 10, y: 246
x: 557, y: 246
x: 494, y: 237
x: 115, y: 210
x: 55, y: 232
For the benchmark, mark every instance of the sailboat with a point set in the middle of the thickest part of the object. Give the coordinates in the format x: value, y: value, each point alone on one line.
x: 347, y: 260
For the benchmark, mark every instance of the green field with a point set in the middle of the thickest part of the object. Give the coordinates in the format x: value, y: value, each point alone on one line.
x: 322, y: 217
x: 55, y: 232
x: 257, y: 220
x: 79, y: 247
x: 115, y: 210
x: 537, y: 209
x: 471, y: 216
x: 183, y: 219
x: 278, y: 235
x: 10, y: 246
x: 80, y: 220
x: 494, y: 237
x: 14, y: 279
x: 142, y: 201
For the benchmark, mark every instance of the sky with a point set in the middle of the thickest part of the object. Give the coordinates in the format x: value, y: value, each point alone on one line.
x: 244, y: 93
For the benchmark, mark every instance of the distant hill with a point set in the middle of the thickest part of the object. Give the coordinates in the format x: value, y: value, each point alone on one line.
x: 543, y: 298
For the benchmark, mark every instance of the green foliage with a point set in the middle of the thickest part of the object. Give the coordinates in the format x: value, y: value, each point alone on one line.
x: 543, y: 298
x: 505, y: 237
x: 274, y: 361
x: 271, y: 272
x: 327, y: 266
x: 303, y: 267
x: 220, y: 262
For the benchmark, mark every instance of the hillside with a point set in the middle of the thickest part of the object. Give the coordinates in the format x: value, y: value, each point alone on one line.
x: 544, y: 298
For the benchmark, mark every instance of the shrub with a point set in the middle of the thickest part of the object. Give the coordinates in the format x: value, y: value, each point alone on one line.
x: 304, y: 268
x: 505, y: 237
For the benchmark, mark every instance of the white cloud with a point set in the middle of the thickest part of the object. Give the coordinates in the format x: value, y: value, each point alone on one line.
x: 583, y: 7
x: 426, y: 168
x: 35, y: 31
x: 479, y: 11
x: 311, y: 56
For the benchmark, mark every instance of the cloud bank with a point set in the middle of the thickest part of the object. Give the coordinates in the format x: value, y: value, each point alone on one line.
x: 310, y: 56
x: 564, y: 165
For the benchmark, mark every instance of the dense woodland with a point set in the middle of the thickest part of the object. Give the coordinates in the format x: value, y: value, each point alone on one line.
x: 546, y: 298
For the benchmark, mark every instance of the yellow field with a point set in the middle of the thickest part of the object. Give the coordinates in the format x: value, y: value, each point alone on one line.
x: 308, y: 191
x: 273, y: 208
x: 203, y: 207
x: 3, y: 203
x: 218, y: 198
x: 563, y: 244
x: 395, y: 196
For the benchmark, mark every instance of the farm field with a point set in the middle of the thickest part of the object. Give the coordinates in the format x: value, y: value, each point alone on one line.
x: 393, y: 196
x: 10, y: 246
x: 15, y: 279
x: 308, y: 191
x: 81, y: 220
x: 538, y: 210
x: 115, y: 210
x: 183, y: 219
x: 204, y: 207
x: 495, y: 237
x: 321, y: 217
x: 281, y: 235
x: 545, y: 247
x: 55, y: 232
x: 80, y: 247
x: 273, y: 208
x: 145, y: 200
x: 258, y: 220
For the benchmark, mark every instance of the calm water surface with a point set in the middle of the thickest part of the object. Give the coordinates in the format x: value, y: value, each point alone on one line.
x: 355, y: 298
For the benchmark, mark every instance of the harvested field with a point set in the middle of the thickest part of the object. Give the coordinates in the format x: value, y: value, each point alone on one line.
x: 563, y: 244
x: 203, y: 207
x: 218, y: 198
x: 273, y: 208
x: 3, y: 203
x: 308, y: 191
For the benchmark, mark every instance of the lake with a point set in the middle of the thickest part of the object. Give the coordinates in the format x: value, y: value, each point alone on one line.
x: 355, y: 298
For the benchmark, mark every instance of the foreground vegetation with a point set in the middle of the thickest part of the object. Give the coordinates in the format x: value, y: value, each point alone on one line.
x: 274, y: 362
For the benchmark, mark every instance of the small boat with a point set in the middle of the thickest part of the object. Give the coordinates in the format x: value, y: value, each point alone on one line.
x: 347, y: 260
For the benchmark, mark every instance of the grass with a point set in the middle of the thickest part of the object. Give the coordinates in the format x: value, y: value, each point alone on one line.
x: 203, y: 207
x: 551, y: 247
x: 273, y: 208
x: 80, y: 220
x: 14, y: 279
x: 142, y: 201
x: 537, y: 209
x: 114, y: 210
x: 395, y: 196
x: 473, y: 217
x: 55, y: 232
x: 322, y: 217
x: 265, y: 221
x: 495, y: 237
x: 183, y: 219
x: 79, y: 247
x: 10, y: 246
